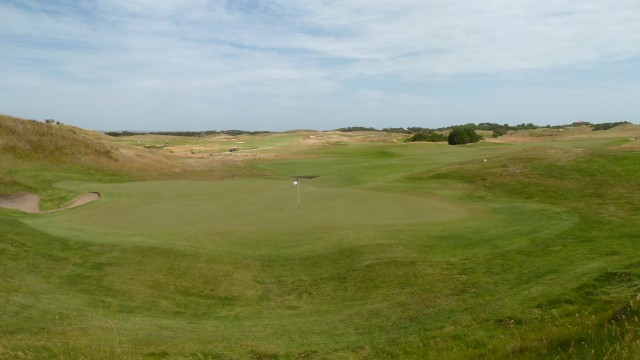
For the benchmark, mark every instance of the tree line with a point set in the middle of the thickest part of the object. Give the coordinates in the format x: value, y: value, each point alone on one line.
x: 457, y: 135
x: 185, y: 133
x: 467, y: 133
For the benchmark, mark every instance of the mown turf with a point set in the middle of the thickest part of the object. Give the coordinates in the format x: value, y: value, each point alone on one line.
x: 230, y: 212
x: 398, y: 251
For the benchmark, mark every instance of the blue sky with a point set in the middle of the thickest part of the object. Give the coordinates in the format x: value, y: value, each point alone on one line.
x: 293, y: 64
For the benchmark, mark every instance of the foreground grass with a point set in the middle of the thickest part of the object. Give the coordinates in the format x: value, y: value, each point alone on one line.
x: 528, y: 255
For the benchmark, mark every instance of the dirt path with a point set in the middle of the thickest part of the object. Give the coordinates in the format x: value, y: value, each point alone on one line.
x: 29, y: 202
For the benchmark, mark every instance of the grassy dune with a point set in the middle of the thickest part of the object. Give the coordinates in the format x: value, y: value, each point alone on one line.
x: 34, y: 156
x: 398, y: 251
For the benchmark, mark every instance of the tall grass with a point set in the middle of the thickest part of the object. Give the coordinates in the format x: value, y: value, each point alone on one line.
x: 30, y: 139
x: 36, y: 155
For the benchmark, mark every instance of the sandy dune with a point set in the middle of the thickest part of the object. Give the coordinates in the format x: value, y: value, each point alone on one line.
x: 29, y: 202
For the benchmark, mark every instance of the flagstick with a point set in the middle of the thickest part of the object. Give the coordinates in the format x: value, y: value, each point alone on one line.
x: 299, y: 194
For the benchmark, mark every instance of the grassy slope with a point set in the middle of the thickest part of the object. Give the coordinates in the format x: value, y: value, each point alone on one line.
x: 589, y: 272
x: 35, y: 156
x: 550, y: 273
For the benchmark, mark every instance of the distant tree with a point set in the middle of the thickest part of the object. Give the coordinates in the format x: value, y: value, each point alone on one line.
x: 395, y: 130
x: 187, y: 133
x: 429, y: 136
x: 607, y: 126
x: 121, y: 133
x: 462, y: 135
x: 49, y: 121
x: 458, y: 136
x: 499, y: 132
x: 473, y: 136
x: 527, y: 126
x: 417, y: 129
x: 356, y: 128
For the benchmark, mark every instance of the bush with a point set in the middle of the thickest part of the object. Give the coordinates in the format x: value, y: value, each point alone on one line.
x: 607, y: 126
x: 463, y: 135
x: 429, y: 136
x: 499, y: 132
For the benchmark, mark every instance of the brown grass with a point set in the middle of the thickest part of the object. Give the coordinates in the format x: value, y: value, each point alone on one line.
x: 29, y: 142
x: 566, y: 134
x: 58, y: 143
x: 48, y: 151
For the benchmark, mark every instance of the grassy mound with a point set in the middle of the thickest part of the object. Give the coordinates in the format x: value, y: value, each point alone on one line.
x: 35, y: 155
x: 30, y: 139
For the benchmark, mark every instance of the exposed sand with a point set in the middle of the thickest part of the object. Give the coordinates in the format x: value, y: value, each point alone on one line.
x: 29, y: 202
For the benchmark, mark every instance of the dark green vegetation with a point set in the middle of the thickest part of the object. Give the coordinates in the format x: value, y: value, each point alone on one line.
x: 462, y: 135
x: 419, y: 133
x: 185, y: 133
x: 400, y: 251
x: 607, y: 126
x: 429, y: 136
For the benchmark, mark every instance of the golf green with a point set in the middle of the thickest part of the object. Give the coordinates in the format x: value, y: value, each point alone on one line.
x: 206, y: 214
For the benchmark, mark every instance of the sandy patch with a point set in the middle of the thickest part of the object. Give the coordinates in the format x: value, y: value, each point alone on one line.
x: 324, y: 139
x: 29, y: 202
x: 507, y: 139
x: 23, y: 201
x: 349, y: 138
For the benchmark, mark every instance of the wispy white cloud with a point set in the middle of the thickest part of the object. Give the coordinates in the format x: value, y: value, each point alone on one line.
x: 285, y: 56
x: 422, y: 39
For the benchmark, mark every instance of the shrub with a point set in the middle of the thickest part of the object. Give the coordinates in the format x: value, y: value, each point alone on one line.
x: 429, y: 136
x: 607, y: 126
x: 463, y: 135
x: 499, y: 132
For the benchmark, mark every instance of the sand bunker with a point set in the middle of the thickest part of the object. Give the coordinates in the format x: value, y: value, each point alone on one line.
x: 29, y: 202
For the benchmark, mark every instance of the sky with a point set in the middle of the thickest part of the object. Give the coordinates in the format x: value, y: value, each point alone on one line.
x: 279, y: 65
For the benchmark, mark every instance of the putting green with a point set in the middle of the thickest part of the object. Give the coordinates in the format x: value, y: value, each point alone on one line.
x: 203, y: 213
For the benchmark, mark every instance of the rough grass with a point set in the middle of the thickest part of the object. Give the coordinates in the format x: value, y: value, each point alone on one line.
x: 26, y: 139
x: 541, y: 262
x: 34, y: 156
